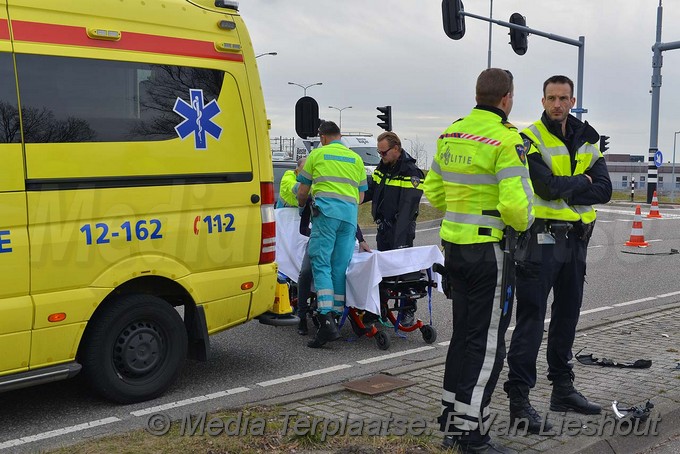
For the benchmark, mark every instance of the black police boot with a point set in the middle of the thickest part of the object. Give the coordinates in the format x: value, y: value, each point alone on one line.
x: 464, y: 447
x: 522, y: 413
x: 564, y: 398
x: 328, y: 331
x: 302, y: 325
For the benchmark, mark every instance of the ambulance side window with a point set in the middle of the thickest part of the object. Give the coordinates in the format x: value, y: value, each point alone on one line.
x: 9, y: 113
x: 87, y: 100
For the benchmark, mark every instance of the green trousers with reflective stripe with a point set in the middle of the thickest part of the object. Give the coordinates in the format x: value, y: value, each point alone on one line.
x: 331, y: 246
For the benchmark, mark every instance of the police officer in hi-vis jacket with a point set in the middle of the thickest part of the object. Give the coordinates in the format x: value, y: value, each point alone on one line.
x: 479, y: 177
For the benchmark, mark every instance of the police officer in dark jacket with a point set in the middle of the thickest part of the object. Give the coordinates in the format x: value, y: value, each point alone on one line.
x: 395, y: 194
x: 569, y: 175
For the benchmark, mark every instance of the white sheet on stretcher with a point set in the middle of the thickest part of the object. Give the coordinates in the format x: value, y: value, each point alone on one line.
x: 366, y: 269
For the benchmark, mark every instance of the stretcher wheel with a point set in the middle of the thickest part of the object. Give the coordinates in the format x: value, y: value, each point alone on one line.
x: 355, y: 327
x: 429, y: 333
x: 382, y: 341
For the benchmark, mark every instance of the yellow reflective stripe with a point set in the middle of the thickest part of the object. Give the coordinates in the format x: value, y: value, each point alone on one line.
x: 334, y: 195
x: 400, y: 183
x: 341, y: 180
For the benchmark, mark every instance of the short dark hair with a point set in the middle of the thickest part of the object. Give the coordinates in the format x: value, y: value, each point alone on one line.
x: 492, y: 85
x: 559, y: 80
x: 328, y: 128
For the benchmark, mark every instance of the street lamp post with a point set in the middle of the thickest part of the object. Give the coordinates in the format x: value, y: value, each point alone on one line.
x: 675, y: 136
x: 305, y: 87
x: 266, y: 53
x: 339, y: 109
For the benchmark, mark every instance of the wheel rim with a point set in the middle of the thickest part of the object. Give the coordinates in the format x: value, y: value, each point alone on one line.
x: 139, y: 350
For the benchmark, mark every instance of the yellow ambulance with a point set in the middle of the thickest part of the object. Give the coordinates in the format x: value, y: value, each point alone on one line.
x: 136, y: 189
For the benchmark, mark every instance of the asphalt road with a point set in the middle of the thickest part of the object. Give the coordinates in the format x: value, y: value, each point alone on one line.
x: 253, y: 362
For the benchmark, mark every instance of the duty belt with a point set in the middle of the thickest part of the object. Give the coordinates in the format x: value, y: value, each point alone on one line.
x: 555, y: 227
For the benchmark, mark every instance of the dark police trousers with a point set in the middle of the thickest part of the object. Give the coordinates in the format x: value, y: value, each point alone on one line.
x: 481, y: 283
x: 562, y: 267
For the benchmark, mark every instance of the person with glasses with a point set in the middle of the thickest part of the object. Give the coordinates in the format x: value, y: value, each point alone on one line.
x: 479, y: 177
x: 395, y: 192
x: 569, y: 175
x: 336, y: 178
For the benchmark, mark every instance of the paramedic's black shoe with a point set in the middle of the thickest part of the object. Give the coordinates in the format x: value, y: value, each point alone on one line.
x: 522, y: 414
x: 462, y: 447
x: 564, y: 397
x: 328, y: 331
x: 408, y: 317
x: 302, y: 328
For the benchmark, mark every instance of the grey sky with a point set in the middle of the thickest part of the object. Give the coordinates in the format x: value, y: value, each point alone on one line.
x: 372, y: 53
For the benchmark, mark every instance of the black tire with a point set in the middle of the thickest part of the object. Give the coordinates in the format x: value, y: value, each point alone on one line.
x: 152, y: 334
x: 429, y: 334
x: 382, y: 341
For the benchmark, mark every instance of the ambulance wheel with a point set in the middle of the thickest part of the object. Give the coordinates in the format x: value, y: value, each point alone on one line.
x: 133, y: 349
x: 382, y: 341
x: 429, y: 334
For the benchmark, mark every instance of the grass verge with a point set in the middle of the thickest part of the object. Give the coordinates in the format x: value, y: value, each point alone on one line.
x: 426, y: 213
x: 251, y: 430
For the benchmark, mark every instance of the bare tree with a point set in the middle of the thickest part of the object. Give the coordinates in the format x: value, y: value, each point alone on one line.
x: 417, y: 151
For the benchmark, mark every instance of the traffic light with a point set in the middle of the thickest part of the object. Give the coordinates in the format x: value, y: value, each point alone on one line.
x: 385, y: 117
x: 604, y: 143
x: 518, y: 38
x: 454, y: 21
x: 307, y: 117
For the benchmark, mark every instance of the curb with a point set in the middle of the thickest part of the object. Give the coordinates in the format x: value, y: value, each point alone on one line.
x: 669, y: 427
x: 330, y: 389
x: 669, y: 411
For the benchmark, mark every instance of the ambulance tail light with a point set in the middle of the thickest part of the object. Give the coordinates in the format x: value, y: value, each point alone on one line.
x: 268, y: 250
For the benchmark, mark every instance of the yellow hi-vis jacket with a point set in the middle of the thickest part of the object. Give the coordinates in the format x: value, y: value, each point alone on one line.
x: 556, y: 156
x: 287, y: 189
x: 480, y: 178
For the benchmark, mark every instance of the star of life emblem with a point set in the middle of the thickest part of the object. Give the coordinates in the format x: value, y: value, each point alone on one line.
x: 197, y: 119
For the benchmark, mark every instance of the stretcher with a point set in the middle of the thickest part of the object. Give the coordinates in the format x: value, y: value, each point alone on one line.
x: 379, y: 283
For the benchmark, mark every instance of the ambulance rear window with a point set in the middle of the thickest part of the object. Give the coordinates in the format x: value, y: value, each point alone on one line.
x: 9, y: 114
x: 85, y: 100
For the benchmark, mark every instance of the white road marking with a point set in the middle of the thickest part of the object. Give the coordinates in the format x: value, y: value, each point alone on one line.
x: 327, y: 370
x: 641, y: 300
x: 668, y: 294
x: 597, y: 309
x: 189, y: 401
x: 394, y: 355
x: 202, y: 398
x: 57, y: 432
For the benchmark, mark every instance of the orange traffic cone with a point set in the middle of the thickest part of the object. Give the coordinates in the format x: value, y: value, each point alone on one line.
x: 654, y: 210
x: 637, y: 237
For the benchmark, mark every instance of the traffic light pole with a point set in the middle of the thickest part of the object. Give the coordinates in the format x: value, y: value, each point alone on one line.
x: 580, y: 43
x: 657, y: 63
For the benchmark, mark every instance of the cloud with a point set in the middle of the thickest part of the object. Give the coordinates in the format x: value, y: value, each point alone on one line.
x: 372, y: 53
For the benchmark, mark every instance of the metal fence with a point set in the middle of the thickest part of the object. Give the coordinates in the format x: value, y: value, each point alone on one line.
x: 286, y: 145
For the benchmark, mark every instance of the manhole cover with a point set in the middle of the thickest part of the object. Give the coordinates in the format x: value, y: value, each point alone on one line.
x: 377, y: 384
